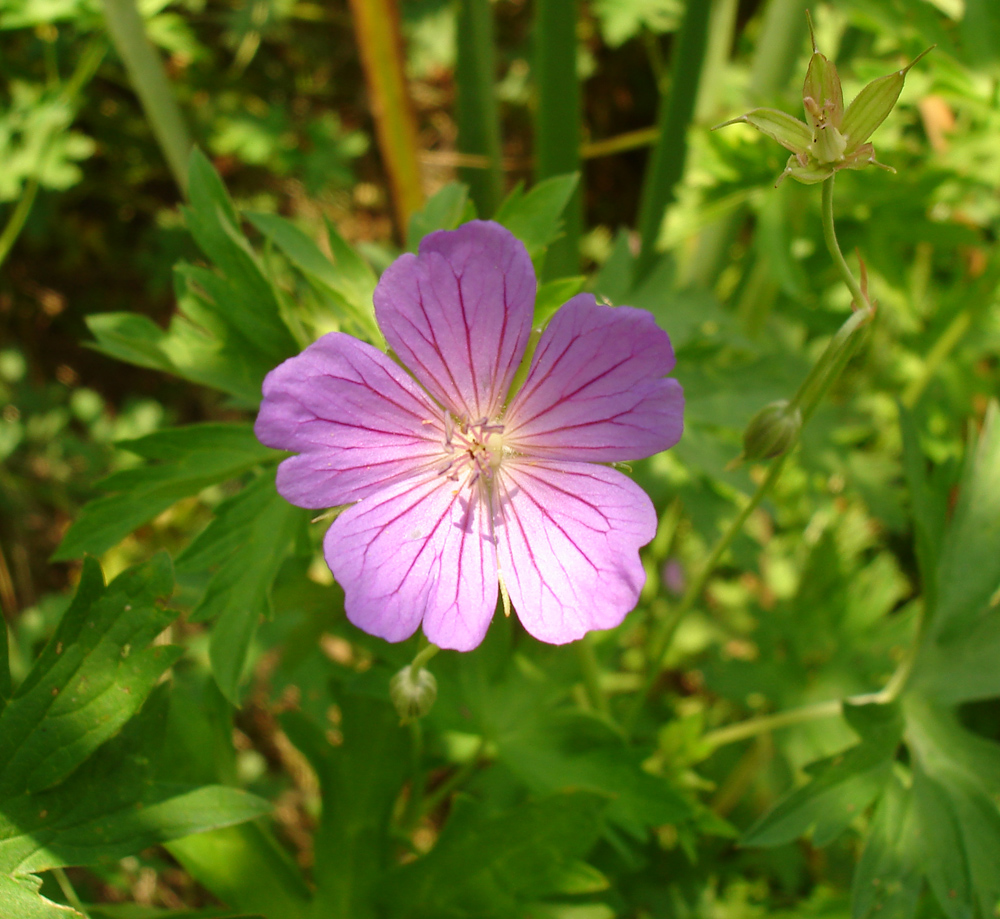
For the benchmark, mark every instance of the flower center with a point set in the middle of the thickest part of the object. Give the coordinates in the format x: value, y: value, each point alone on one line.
x: 474, y: 448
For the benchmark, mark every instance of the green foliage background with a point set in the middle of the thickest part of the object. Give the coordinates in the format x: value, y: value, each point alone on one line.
x: 205, y: 735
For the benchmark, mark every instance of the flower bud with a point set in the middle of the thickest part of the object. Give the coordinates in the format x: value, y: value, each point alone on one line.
x: 413, y: 693
x: 772, y: 431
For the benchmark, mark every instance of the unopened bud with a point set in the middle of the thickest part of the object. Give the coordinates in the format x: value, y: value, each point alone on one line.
x: 413, y: 693
x: 772, y: 431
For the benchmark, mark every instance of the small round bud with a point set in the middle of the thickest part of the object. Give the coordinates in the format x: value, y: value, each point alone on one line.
x: 413, y: 694
x: 772, y: 431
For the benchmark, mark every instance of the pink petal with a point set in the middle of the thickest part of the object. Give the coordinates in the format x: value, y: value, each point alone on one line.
x: 417, y: 550
x: 597, y: 389
x: 459, y: 314
x: 568, y: 541
x: 357, y: 420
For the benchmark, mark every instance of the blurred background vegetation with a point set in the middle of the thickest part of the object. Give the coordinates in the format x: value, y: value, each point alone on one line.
x: 274, y: 92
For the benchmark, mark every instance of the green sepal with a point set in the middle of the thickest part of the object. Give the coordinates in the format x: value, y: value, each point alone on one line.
x: 787, y: 130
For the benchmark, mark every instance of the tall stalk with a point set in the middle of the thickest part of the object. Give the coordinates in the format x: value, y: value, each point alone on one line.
x: 149, y: 79
x: 376, y: 28
x: 666, y: 162
x: 558, y: 120
x: 476, y: 103
x: 810, y: 393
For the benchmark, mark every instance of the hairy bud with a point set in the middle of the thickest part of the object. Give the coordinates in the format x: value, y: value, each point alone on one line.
x: 413, y: 693
x: 772, y: 431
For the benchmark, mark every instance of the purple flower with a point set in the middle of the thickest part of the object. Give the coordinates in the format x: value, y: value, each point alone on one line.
x: 453, y: 485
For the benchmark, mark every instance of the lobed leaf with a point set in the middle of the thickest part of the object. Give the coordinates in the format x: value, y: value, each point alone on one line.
x: 445, y: 211
x: 188, y: 460
x: 536, y: 218
x: 243, y: 547
x: 76, y: 769
x: 487, y: 866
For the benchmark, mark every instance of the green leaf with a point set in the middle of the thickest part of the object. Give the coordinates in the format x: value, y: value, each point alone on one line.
x: 560, y: 752
x: 486, y: 865
x: 188, y: 349
x: 969, y: 570
x: 445, y: 211
x: 5, y: 684
x: 230, y: 329
x: 71, y: 792
x: 187, y: 460
x: 956, y: 789
x: 888, y: 880
x: 90, y: 679
x: 245, y: 867
x: 132, y: 338
x: 928, y: 507
x: 360, y: 781
x: 133, y: 911
x: 348, y: 278
x: 553, y: 294
x: 841, y: 787
x: 20, y: 897
x: 535, y: 218
x: 243, y: 294
x: 244, y: 547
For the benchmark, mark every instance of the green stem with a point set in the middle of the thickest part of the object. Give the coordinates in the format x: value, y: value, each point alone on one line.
x: 422, y: 657
x: 85, y: 69
x: 17, y: 219
x: 68, y: 892
x: 753, y: 727
x: 476, y: 103
x: 149, y: 79
x: 829, y: 366
x: 592, y: 675
x: 558, y: 122
x: 830, y: 238
x: 455, y: 780
x: 666, y: 164
x: 936, y: 356
x: 667, y: 627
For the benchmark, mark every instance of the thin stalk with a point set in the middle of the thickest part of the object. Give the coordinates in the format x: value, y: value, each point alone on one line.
x: 666, y: 164
x: 476, y: 103
x: 557, y: 122
x: 149, y: 79
x: 18, y: 218
x: 664, y: 634
x: 778, y: 47
x: 458, y: 778
x: 84, y: 71
x: 765, y: 724
x: 376, y: 29
x: 68, y: 892
x: 822, y: 375
x: 936, y: 356
x: 833, y: 247
x: 721, y: 28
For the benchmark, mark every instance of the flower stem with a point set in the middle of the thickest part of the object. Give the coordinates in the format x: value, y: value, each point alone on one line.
x: 833, y: 247
x: 68, y: 892
x: 455, y: 780
x: 664, y: 634
x: 753, y: 727
x: 149, y: 79
x: 829, y: 366
x: 17, y: 219
x: 422, y: 657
